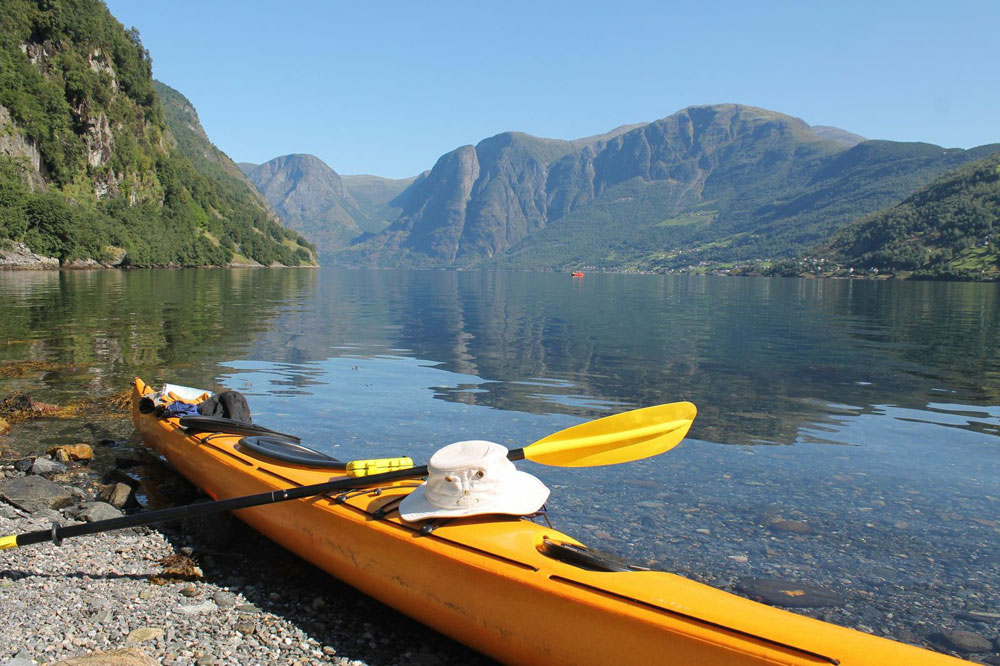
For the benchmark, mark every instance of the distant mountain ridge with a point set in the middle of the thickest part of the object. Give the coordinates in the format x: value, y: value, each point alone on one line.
x: 332, y: 209
x: 379, y: 198
x: 709, y: 185
x: 316, y: 201
x: 506, y: 202
x: 706, y: 184
x: 838, y: 135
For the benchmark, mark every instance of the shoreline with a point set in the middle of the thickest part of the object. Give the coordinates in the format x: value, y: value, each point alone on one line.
x: 205, y: 592
x: 21, y: 258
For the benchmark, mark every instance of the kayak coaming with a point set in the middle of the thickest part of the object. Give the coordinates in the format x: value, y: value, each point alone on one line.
x: 485, y: 582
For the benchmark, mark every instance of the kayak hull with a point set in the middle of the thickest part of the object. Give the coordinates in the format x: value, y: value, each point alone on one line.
x: 486, y: 582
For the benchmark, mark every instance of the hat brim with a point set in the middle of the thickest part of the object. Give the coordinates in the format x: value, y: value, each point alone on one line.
x: 522, y: 494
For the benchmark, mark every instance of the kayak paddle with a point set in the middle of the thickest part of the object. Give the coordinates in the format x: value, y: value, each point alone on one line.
x: 611, y: 440
x: 620, y: 438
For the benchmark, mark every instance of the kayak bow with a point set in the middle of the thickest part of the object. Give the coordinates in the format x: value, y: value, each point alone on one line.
x: 518, y: 591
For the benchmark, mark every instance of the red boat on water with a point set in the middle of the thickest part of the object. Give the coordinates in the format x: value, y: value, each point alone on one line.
x: 577, y: 273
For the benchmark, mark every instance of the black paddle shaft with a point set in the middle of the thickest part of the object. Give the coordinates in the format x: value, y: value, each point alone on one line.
x: 57, y: 534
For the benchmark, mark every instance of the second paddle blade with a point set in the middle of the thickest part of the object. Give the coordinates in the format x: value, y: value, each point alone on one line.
x: 620, y: 438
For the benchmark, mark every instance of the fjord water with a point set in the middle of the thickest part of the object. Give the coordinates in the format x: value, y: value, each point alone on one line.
x: 848, y: 432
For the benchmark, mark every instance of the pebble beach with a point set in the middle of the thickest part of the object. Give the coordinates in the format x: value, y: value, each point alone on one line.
x: 208, y: 592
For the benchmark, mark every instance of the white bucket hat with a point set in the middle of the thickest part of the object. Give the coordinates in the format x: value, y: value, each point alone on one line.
x: 471, y: 478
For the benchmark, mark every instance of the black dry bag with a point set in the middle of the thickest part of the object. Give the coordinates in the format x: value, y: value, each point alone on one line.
x: 228, y: 405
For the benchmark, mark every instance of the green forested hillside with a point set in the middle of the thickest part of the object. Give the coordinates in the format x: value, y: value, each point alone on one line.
x: 948, y: 229
x: 234, y: 191
x: 89, y: 168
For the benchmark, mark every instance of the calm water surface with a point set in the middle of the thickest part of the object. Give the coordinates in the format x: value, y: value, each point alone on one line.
x: 848, y: 432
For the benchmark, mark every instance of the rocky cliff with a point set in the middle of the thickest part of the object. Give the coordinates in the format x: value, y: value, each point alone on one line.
x: 477, y: 202
x: 310, y: 197
x: 711, y: 183
x: 316, y: 201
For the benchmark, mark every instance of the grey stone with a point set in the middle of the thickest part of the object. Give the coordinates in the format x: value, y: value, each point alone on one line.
x: 789, y: 593
x: 24, y: 465
x: 980, y: 616
x: 47, y: 466
x: 197, y: 609
x: 793, y: 526
x: 51, y: 515
x: 18, y: 254
x: 95, y: 511
x: 962, y: 641
x: 34, y: 493
x: 7, y: 511
x: 224, y: 599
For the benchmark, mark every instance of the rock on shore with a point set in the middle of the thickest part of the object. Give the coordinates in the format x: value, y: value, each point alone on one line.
x: 18, y: 255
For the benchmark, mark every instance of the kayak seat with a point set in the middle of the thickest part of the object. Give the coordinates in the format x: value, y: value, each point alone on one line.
x: 232, y: 426
x: 290, y: 451
x: 586, y: 558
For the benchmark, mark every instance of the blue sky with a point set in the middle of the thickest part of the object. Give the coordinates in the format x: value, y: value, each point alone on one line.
x: 388, y: 87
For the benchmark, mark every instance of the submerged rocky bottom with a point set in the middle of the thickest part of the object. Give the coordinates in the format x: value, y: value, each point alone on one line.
x: 901, y: 563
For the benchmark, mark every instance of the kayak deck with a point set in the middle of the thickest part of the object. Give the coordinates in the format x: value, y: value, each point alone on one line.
x: 486, y: 581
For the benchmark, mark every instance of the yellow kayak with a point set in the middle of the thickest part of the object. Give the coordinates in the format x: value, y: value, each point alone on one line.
x: 513, y: 589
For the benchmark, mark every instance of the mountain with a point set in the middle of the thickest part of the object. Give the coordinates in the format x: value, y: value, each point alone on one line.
x: 838, y: 135
x: 90, y: 168
x: 455, y: 212
x: 378, y: 198
x: 950, y: 228
x: 315, y: 200
x: 193, y: 143
x: 715, y: 184
x: 310, y: 197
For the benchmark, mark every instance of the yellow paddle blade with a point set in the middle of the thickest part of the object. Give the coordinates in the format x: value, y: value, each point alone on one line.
x: 620, y: 438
